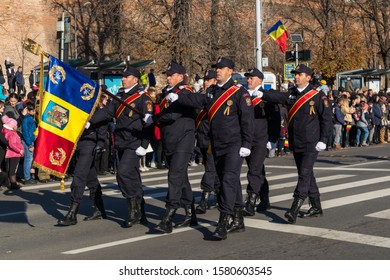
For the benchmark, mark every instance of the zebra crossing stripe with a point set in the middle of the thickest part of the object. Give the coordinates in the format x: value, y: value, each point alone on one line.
x: 385, y: 214
x: 358, y: 238
x: 338, y: 187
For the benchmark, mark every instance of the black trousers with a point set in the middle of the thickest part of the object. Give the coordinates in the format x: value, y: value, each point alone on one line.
x: 228, y: 167
x: 179, y: 188
x: 128, y: 175
x: 257, y: 182
x: 307, y: 185
x: 210, y: 181
x: 85, y: 175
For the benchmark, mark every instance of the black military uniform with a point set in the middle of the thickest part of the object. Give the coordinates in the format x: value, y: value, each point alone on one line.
x: 130, y: 134
x: 85, y: 174
x: 306, y: 129
x: 231, y: 129
x: 266, y: 128
x: 210, y: 181
x: 177, y: 126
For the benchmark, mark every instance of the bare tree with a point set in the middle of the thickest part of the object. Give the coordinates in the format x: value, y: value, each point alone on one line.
x: 97, y: 26
x: 377, y: 12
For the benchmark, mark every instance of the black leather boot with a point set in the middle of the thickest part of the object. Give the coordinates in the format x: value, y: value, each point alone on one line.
x: 264, y: 204
x: 250, y: 203
x: 99, y: 211
x: 166, y: 223
x: 190, y: 218
x: 143, y: 219
x: 202, y: 207
x: 221, y: 231
x: 237, y: 224
x: 70, y: 218
x: 134, y: 213
x: 315, y: 209
x: 292, y: 214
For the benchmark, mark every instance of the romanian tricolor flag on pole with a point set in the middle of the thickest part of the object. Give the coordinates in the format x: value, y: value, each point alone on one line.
x: 279, y: 33
x: 68, y: 102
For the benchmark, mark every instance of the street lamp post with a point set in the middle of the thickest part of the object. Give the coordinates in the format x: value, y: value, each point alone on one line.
x: 259, y: 23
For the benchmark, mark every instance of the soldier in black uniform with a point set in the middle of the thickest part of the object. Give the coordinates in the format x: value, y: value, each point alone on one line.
x: 177, y: 125
x: 308, y: 130
x: 266, y: 128
x: 85, y: 174
x: 131, y: 139
x: 230, y: 116
x: 210, y: 182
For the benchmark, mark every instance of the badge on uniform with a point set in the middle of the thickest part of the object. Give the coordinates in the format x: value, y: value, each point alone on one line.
x: 312, y: 111
x: 149, y: 106
x: 248, y: 101
x: 262, y: 105
x: 131, y: 111
x: 227, y: 110
x: 326, y: 101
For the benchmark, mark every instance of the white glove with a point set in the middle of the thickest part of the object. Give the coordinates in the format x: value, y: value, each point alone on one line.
x: 172, y: 97
x: 320, y: 146
x: 140, y: 151
x: 148, y: 119
x: 269, y: 147
x: 87, y: 125
x: 258, y: 93
x: 244, y: 152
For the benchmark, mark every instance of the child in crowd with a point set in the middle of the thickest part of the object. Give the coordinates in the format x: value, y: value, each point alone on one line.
x: 14, y: 149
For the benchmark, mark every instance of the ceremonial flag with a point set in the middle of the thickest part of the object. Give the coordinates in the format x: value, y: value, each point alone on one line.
x: 68, y: 102
x: 279, y: 33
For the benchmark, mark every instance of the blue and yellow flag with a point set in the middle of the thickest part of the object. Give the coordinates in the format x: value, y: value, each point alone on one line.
x: 279, y: 33
x: 68, y: 102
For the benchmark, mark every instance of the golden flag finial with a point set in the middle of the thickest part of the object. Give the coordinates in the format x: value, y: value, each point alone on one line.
x: 33, y: 47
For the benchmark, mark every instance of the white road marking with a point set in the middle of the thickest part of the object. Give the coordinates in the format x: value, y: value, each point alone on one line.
x: 364, y: 239
x: 385, y: 214
x: 358, y: 238
x: 132, y: 240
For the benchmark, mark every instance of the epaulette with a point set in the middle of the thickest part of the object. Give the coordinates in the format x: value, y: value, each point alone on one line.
x: 239, y: 85
x: 186, y: 87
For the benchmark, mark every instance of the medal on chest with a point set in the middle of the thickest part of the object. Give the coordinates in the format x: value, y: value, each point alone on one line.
x: 227, y: 110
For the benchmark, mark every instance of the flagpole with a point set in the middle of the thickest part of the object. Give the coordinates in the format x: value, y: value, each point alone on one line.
x: 259, y: 23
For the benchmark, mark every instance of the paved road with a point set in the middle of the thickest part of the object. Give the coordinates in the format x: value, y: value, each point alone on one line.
x: 354, y: 184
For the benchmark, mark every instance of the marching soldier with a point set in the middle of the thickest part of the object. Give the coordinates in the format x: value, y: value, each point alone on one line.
x: 177, y: 127
x: 230, y: 116
x: 131, y: 139
x: 210, y: 182
x: 85, y: 174
x: 309, y: 119
x: 266, y: 128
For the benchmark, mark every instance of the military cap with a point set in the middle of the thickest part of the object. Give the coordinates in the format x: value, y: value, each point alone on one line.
x: 255, y: 73
x: 302, y: 68
x: 173, y: 68
x: 131, y: 71
x: 223, y: 62
x: 210, y: 74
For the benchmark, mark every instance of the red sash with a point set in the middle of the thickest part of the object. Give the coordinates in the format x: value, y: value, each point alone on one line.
x: 200, y: 117
x: 256, y: 101
x: 164, y: 101
x: 218, y: 103
x: 302, y: 100
x: 128, y: 100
